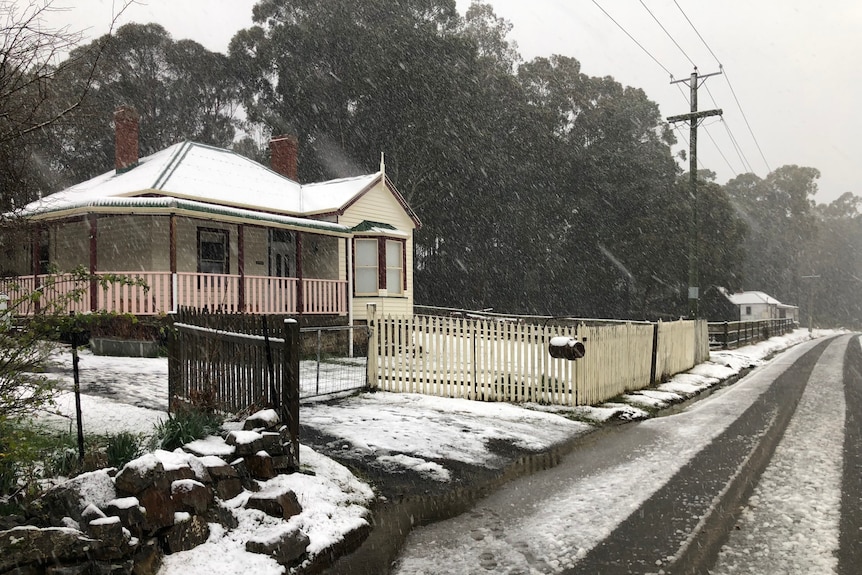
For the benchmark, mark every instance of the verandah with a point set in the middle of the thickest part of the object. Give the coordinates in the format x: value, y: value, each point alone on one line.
x: 152, y: 293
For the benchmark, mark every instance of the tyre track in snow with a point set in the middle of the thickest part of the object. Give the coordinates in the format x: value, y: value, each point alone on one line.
x: 790, y: 524
x: 681, y: 527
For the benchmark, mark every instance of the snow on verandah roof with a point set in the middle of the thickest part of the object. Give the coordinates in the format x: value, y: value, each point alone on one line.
x: 207, y: 174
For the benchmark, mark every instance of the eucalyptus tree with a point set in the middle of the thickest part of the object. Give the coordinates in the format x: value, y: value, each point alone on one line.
x: 832, y: 266
x: 181, y: 90
x: 415, y: 81
x: 33, y: 69
x: 614, y: 206
x: 779, y: 212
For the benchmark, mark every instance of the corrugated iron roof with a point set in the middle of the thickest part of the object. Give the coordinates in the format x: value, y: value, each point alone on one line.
x: 211, y: 175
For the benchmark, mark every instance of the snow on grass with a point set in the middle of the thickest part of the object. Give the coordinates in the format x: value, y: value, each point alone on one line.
x: 101, y: 416
x: 396, y: 463
x: 433, y: 428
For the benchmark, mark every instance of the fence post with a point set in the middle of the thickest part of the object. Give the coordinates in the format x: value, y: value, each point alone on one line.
x: 371, y: 362
x: 652, y: 369
x: 290, y: 396
x: 277, y: 398
x: 174, y: 370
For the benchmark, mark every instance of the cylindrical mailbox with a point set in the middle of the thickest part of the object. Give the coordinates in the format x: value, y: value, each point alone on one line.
x: 562, y: 347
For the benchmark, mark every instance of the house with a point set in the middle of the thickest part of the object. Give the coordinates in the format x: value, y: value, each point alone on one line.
x: 206, y: 228
x: 751, y: 306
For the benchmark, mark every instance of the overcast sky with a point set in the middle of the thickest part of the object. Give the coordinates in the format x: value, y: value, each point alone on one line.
x: 792, y: 65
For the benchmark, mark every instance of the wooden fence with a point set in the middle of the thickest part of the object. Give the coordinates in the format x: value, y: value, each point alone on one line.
x: 498, y: 360
x: 733, y: 334
x: 235, y: 372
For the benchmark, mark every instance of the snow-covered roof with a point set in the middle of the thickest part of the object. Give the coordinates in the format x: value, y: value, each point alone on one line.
x: 211, y: 175
x: 752, y: 298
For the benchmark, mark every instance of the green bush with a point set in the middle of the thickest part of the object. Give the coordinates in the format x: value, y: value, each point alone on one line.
x: 29, y: 453
x: 122, y: 448
x: 62, y: 462
x: 184, y: 426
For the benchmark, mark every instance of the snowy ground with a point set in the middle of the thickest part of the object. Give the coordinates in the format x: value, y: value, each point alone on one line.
x: 399, y: 430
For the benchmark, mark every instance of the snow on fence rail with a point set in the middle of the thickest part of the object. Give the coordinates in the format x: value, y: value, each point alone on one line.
x: 499, y: 360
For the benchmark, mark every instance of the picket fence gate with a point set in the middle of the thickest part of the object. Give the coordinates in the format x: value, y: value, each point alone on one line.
x: 499, y: 360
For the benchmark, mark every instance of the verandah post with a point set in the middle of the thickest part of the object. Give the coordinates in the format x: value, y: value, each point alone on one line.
x: 92, y: 227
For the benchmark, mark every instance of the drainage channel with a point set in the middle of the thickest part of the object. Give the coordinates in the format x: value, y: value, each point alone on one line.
x: 392, y: 521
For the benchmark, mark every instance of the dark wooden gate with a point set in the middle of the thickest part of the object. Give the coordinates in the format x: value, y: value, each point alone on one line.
x: 233, y: 363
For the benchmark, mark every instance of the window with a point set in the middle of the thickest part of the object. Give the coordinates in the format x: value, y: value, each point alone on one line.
x: 366, y: 266
x: 213, y: 251
x: 379, y: 265
x: 394, y: 267
x: 748, y: 310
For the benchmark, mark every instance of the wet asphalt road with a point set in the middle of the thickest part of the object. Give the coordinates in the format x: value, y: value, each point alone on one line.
x: 681, y: 526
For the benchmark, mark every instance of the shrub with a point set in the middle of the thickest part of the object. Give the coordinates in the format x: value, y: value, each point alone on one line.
x: 184, y: 426
x: 122, y: 448
x: 29, y: 453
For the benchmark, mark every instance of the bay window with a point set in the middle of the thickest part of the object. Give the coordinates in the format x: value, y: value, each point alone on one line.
x: 379, y: 266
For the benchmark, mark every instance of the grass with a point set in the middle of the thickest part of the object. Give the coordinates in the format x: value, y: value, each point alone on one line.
x: 31, y: 454
x: 184, y: 426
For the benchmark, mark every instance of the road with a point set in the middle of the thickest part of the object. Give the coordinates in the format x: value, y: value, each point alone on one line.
x: 761, y: 477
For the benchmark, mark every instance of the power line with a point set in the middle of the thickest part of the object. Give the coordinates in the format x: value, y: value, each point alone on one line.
x: 696, y: 32
x: 730, y: 85
x: 663, y: 67
x: 748, y: 125
x: 669, y: 35
x: 647, y: 52
x: 720, y: 153
x: 745, y: 163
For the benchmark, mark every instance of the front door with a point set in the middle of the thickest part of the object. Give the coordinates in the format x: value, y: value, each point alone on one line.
x: 282, y: 253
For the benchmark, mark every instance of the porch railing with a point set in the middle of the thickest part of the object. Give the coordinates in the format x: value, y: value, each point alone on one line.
x: 162, y: 292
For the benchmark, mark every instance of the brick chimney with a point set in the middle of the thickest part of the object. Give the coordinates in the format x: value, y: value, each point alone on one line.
x: 283, y: 155
x: 126, y: 120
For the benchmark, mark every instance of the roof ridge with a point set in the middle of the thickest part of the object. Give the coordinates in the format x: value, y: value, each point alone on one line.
x: 344, y: 179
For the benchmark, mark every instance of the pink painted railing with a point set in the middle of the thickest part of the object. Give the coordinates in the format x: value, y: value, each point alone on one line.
x: 135, y: 299
x: 160, y: 293
x: 324, y: 296
x: 210, y: 292
x: 265, y: 294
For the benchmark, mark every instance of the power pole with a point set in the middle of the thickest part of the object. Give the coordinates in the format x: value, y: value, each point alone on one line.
x: 694, y: 118
x: 811, y: 301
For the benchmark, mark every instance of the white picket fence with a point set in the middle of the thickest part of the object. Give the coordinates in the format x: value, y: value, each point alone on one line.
x: 499, y: 360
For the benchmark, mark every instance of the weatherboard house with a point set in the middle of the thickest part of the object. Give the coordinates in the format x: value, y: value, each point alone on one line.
x: 746, y: 306
x: 206, y: 228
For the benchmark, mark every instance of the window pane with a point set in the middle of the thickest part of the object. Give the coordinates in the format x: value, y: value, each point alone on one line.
x: 393, y: 281
x: 366, y: 280
x: 212, y: 267
x: 366, y: 253
x: 212, y: 251
x: 393, y: 254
